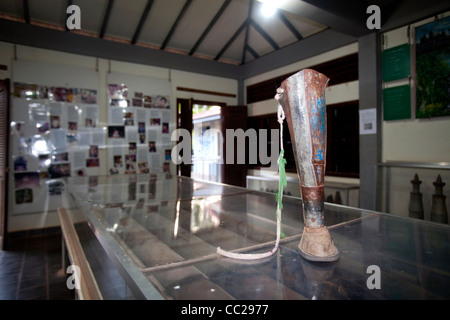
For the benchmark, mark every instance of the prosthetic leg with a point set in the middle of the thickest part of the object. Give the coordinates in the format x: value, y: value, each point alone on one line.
x: 302, y: 97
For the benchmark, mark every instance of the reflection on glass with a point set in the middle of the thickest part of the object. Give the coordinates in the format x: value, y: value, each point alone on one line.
x: 177, y: 221
x: 39, y: 146
x: 204, y: 217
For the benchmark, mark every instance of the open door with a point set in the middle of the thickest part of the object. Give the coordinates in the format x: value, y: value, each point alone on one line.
x: 184, y: 120
x: 234, y: 117
x: 4, y: 138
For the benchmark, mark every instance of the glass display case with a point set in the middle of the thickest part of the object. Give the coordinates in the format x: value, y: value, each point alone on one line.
x: 348, y: 192
x: 162, y: 233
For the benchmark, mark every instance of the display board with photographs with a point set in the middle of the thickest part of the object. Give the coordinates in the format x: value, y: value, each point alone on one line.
x: 139, y: 125
x: 54, y: 133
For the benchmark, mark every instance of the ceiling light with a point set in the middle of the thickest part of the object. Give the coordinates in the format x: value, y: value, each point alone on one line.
x: 269, y: 7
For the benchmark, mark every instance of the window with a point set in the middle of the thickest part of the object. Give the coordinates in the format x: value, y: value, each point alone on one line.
x: 342, y: 139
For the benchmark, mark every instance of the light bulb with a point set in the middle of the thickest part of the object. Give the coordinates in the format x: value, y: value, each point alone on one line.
x: 269, y: 7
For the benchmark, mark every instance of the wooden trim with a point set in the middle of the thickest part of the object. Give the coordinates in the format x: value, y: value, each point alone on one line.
x: 215, y: 93
x: 340, y: 70
x: 208, y: 103
x: 89, y: 289
x: 344, y: 104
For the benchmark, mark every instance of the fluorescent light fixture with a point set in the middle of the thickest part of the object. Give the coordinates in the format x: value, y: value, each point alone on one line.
x: 269, y: 7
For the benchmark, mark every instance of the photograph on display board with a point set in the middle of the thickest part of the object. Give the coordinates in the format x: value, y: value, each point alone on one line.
x: 55, y: 122
x: 119, y: 103
x: 161, y: 102
x: 117, y: 132
x: 128, y: 118
x: 73, y: 127
x: 81, y: 172
x: 59, y: 170
x: 118, y: 162
x: 151, y: 146
x: 168, y: 154
x: 24, y: 196
x: 20, y: 164
x: 60, y: 157
x: 89, y: 123
x: 132, y: 147
x: 141, y: 127
x: 136, y: 102
x: 130, y: 158
x: 92, y: 162
x: 165, y: 127
x: 55, y: 187
x: 29, y: 91
x: 155, y: 121
x: 147, y: 101
x: 130, y: 164
x: 60, y: 94
x: 117, y: 91
x: 86, y: 96
x: 25, y: 90
x: 143, y: 167
x: 71, y: 138
x: 130, y: 168
x: 93, y: 151
x: 27, y: 180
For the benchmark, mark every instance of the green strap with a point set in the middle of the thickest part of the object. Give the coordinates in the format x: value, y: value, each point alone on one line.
x: 282, y: 183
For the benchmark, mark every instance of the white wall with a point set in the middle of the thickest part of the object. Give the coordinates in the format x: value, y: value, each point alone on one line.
x: 424, y: 140
x: 9, y: 52
x: 413, y: 140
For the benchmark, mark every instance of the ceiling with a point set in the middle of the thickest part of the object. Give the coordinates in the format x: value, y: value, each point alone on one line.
x: 211, y: 29
x: 229, y: 31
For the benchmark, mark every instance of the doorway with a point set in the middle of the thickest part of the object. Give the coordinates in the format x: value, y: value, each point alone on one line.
x: 207, y: 142
x: 207, y: 122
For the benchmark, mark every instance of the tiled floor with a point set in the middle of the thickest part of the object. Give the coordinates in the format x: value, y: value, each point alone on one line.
x: 31, y: 267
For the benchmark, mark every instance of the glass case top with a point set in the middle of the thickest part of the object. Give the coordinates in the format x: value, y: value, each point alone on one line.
x: 164, y: 219
x: 169, y: 229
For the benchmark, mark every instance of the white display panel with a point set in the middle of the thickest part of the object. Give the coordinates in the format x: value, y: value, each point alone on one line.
x: 139, y: 124
x: 54, y: 133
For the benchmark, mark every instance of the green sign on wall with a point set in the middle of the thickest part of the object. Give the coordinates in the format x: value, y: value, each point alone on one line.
x: 396, y: 63
x: 397, y: 103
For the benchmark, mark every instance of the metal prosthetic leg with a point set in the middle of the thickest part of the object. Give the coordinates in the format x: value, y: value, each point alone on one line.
x: 302, y: 97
